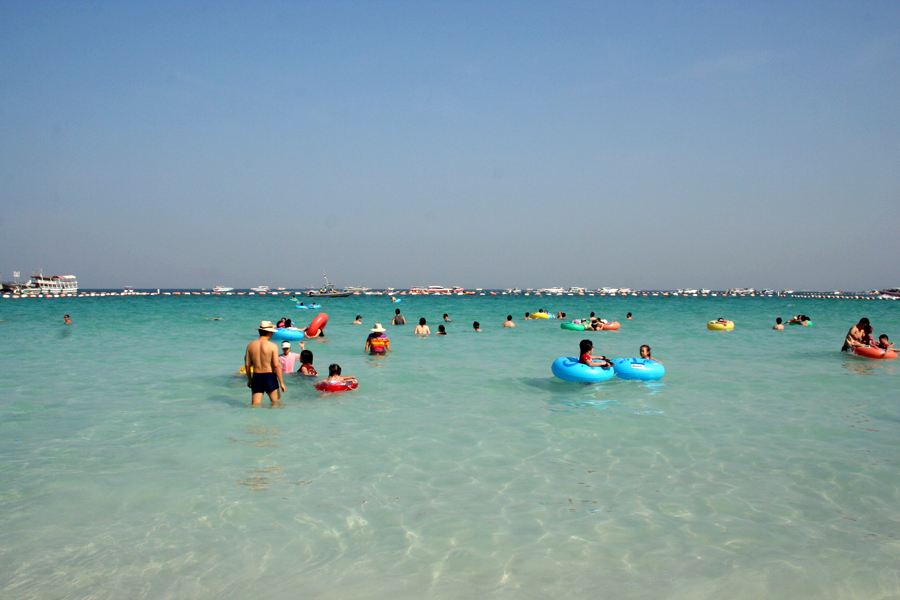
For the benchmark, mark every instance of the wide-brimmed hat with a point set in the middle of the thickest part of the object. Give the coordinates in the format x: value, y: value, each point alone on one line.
x: 378, y: 328
x: 266, y: 326
x: 285, y: 344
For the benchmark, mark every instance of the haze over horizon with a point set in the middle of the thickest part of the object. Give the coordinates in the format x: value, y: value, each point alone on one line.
x: 657, y: 145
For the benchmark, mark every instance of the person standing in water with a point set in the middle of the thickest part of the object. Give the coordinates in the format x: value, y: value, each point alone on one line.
x: 855, y: 335
x: 778, y: 324
x: 262, y: 366
x: 422, y: 328
x: 66, y: 320
x: 508, y: 322
x: 377, y: 342
x: 398, y: 318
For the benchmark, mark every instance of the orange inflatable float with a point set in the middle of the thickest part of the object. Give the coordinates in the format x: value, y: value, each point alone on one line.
x: 317, y: 325
x: 870, y: 352
x: 611, y: 326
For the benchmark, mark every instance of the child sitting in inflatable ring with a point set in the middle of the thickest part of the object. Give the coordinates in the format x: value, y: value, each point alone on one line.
x: 334, y: 375
x: 883, y: 343
x: 645, y: 354
x: 587, y: 359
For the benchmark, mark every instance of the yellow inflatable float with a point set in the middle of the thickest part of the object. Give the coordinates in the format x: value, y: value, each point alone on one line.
x: 719, y: 326
x: 539, y: 315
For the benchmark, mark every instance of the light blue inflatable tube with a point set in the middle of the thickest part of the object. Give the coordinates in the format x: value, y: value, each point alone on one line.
x: 569, y: 369
x: 302, y: 306
x: 638, y: 368
x: 287, y: 334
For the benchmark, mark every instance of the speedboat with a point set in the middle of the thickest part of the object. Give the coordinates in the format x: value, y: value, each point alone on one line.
x: 219, y: 288
x: 260, y: 288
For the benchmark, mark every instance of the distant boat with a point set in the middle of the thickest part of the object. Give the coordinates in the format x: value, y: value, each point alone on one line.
x: 219, y: 288
x: 58, y: 284
x: 260, y: 288
x: 328, y: 292
x: 891, y: 292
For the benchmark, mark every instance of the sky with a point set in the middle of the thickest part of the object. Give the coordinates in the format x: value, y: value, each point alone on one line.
x: 653, y: 145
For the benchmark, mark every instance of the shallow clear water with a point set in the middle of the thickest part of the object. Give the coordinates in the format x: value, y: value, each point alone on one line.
x: 765, y: 463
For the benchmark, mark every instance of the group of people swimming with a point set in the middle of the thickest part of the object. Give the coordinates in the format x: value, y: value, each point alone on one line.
x: 586, y: 356
x: 265, y: 368
x: 860, y: 335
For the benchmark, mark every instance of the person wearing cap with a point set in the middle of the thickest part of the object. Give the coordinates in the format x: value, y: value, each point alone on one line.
x: 288, y: 358
x: 377, y: 342
x: 262, y: 366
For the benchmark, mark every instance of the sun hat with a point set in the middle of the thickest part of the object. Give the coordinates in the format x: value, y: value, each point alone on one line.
x: 266, y: 326
x: 378, y: 328
x: 285, y: 344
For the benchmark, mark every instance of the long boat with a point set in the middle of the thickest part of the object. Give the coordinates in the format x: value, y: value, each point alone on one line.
x: 328, y: 292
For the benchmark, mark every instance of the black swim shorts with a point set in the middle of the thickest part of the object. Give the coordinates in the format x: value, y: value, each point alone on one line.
x: 264, y: 383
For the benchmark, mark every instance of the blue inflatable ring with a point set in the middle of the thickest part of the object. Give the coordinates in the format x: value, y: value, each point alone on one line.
x: 569, y: 369
x: 287, y: 334
x: 638, y: 368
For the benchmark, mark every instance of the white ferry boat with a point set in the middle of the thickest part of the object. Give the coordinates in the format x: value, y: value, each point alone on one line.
x: 554, y: 290
x: 435, y: 289
x: 220, y: 289
x: 741, y: 291
x: 57, y: 284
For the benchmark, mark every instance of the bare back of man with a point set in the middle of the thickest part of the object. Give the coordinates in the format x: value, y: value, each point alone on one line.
x: 265, y: 375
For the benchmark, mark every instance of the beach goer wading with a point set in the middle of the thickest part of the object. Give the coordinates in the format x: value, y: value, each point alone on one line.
x: 422, y: 328
x: 508, y: 322
x: 287, y: 358
x: 398, y: 318
x: 855, y: 335
x: 262, y: 366
x: 377, y: 342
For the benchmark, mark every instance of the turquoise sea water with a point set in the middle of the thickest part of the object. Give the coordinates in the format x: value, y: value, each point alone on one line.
x: 765, y: 463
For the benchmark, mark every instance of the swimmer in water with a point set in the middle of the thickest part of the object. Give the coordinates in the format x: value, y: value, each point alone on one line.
x: 628, y: 316
x: 441, y: 330
x: 66, y: 320
x: 778, y: 324
x: 508, y: 322
x: 422, y: 328
x: 446, y: 318
x: 476, y: 325
x: 358, y: 320
x: 586, y: 346
x: 306, y: 368
x: 645, y: 353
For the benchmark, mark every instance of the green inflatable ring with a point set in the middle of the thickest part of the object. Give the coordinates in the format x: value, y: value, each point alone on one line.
x: 572, y: 326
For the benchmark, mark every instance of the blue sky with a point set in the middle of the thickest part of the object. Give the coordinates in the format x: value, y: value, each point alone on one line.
x: 483, y: 144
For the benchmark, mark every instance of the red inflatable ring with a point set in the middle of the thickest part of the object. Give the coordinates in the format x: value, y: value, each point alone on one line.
x: 336, y: 386
x: 870, y: 352
x: 317, y: 324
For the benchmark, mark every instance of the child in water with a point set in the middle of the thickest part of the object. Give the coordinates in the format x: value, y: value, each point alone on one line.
x: 883, y: 343
x: 306, y: 357
x: 441, y: 330
x: 592, y: 361
x: 645, y: 353
x: 334, y: 374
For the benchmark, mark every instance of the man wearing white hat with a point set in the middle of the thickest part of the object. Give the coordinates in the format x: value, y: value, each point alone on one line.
x: 262, y: 366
